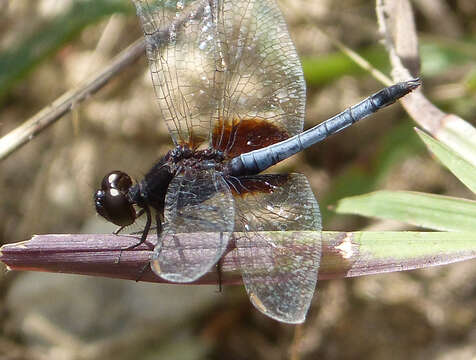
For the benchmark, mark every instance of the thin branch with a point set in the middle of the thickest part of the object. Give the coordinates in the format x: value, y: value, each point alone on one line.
x: 398, y: 30
x: 48, y: 115
x: 359, y: 60
x: 354, y: 56
x: 397, y: 26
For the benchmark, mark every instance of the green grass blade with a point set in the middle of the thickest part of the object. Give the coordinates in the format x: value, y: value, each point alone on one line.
x: 463, y: 170
x: 319, y: 70
x: 426, y: 210
x: 365, y: 253
x: 18, y: 62
x: 460, y: 136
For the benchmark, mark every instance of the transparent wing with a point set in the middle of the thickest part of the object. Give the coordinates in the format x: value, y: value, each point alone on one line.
x: 217, y: 65
x: 197, y: 202
x: 282, y: 274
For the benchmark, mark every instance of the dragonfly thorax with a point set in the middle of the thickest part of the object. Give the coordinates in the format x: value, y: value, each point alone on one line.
x: 182, y: 158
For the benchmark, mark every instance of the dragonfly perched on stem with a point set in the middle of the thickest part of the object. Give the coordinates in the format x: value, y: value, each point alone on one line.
x: 231, y: 90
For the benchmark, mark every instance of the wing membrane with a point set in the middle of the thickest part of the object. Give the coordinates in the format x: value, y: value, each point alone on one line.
x: 226, y: 72
x: 263, y: 78
x: 282, y: 276
x: 196, y: 202
x: 216, y: 63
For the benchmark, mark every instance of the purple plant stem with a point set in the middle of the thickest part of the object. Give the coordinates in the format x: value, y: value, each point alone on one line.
x: 343, y: 254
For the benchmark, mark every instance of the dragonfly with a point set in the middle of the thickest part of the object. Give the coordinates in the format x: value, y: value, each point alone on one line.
x: 231, y: 90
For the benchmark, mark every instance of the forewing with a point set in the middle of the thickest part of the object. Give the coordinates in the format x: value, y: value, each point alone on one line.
x: 279, y: 270
x: 197, y: 202
x: 263, y: 81
x: 218, y: 64
x: 181, y: 61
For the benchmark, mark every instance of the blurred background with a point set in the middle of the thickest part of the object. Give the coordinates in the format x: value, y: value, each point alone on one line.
x: 48, y: 47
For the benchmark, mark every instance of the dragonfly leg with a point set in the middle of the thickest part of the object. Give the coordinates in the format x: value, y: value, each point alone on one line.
x: 118, y: 230
x: 142, y: 271
x: 143, y: 238
x: 219, y: 275
x: 148, y: 223
x: 147, y: 267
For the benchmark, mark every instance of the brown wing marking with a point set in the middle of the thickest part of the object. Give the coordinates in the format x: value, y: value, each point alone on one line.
x: 238, y: 136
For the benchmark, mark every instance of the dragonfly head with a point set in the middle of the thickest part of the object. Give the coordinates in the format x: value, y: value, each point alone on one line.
x: 112, y: 200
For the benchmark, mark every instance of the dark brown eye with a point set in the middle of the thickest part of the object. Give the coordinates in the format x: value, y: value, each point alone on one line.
x: 112, y: 201
x: 116, y: 180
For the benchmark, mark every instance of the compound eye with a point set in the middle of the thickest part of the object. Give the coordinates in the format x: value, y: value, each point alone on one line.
x: 116, y: 180
x: 114, y: 206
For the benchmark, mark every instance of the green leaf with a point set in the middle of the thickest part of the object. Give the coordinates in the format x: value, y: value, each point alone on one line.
x: 16, y: 63
x: 460, y: 136
x: 439, y: 54
x: 323, y: 69
x: 364, y: 253
x: 426, y: 210
x: 463, y: 170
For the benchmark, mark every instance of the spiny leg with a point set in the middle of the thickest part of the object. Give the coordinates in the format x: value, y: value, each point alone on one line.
x: 147, y: 267
x: 145, y: 232
x: 219, y: 275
